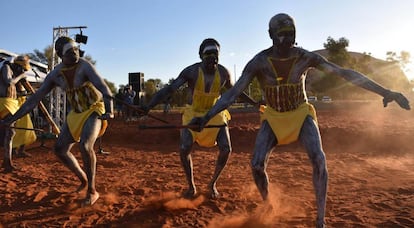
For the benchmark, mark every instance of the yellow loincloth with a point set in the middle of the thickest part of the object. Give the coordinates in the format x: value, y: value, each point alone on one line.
x: 23, y: 137
x: 76, y: 121
x: 207, y: 137
x: 287, y: 125
x: 8, y: 105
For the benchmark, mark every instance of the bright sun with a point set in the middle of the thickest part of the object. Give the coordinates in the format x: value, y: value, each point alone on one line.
x: 409, y: 72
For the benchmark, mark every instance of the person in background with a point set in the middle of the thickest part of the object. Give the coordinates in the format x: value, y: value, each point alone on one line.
x: 118, y: 105
x: 12, y: 72
x: 288, y: 116
x: 23, y: 137
x: 129, y: 96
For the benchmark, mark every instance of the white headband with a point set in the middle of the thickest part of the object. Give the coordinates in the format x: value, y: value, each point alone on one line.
x: 211, y: 47
x: 68, y: 46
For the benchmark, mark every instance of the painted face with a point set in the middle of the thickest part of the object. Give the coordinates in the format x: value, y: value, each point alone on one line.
x: 282, y: 31
x: 284, y: 39
x: 210, y: 57
x: 70, y: 54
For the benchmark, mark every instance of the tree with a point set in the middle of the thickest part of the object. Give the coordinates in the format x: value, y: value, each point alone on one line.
x: 179, y: 97
x: 151, y: 86
x: 337, y: 51
x: 403, y: 59
x: 338, y: 54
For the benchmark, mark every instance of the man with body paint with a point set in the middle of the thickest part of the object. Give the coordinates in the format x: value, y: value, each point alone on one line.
x: 287, y: 116
x: 86, y: 120
x: 12, y: 72
x: 205, y: 81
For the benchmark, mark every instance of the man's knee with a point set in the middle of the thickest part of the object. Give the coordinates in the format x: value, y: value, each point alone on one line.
x: 317, y: 157
x: 85, y: 147
x: 225, y: 149
x: 185, y: 149
x: 57, y: 148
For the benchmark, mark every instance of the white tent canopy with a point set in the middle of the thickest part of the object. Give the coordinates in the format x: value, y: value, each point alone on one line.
x: 32, y: 77
x: 40, y: 68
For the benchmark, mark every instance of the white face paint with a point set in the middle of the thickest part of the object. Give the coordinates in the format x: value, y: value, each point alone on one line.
x: 68, y: 47
x: 210, y: 48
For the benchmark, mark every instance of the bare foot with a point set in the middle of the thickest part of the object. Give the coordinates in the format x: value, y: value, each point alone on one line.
x: 90, y: 199
x: 320, y: 223
x: 8, y: 166
x: 214, y: 194
x: 190, y: 193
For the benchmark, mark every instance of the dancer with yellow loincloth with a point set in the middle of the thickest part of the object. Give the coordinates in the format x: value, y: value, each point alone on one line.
x: 287, y: 116
x: 23, y: 137
x: 205, y: 81
x: 12, y: 71
x: 86, y: 120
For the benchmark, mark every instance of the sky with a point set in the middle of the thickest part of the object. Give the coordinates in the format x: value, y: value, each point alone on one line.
x: 161, y: 37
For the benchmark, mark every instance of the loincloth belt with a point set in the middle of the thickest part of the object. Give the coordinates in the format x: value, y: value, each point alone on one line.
x: 207, y: 137
x: 287, y: 125
x: 285, y: 97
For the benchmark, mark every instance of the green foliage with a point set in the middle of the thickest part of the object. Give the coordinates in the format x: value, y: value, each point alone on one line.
x: 151, y: 86
x: 403, y: 59
x: 179, y: 97
x: 387, y: 73
x: 338, y: 53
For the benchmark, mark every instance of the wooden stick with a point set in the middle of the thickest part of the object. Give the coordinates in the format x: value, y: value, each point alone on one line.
x: 55, y: 128
x: 134, y: 107
x: 23, y: 128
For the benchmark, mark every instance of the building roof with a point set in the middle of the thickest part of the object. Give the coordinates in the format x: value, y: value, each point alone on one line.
x: 40, y: 68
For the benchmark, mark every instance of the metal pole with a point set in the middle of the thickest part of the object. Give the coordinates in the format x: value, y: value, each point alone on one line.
x: 235, y: 73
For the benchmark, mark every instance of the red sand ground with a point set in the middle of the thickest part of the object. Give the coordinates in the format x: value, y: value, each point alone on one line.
x: 369, y: 156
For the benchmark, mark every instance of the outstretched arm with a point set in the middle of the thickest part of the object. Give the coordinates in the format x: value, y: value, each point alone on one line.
x: 100, y: 84
x: 248, y: 99
x: 229, y: 96
x: 225, y: 101
x: 364, y: 82
x: 243, y: 95
x: 165, y: 92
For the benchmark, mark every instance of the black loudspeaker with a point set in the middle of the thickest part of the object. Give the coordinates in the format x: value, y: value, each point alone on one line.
x: 136, y: 80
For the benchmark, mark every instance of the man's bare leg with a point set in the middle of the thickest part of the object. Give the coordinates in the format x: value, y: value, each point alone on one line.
x: 224, y: 144
x: 88, y: 137
x: 62, y: 150
x: 186, y: 144
x: 8, y: 162
x: 311, y: 140
x: 265, y: 142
